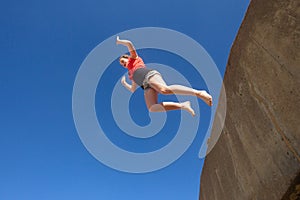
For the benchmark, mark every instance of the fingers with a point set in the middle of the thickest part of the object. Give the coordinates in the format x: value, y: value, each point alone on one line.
x: 123, y: 79
x: 118, y: 40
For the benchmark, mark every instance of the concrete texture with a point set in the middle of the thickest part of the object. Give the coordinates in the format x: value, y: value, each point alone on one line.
x: 258, y: 153
x: 293, y: 192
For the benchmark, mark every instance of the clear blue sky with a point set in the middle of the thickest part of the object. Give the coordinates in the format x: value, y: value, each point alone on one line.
x: 42, y: 46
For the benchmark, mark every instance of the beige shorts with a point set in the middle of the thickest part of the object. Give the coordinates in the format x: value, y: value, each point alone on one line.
x: 147, y: 77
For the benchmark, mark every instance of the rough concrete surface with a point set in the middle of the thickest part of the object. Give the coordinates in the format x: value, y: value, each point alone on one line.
x: 258, y: 153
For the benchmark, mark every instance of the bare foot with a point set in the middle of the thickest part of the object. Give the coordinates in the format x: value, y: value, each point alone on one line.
x: 187, y: 106
x: 202, y: 94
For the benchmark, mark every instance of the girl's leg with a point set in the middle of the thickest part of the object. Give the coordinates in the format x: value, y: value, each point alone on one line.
x: 160, y: 86
x: 151, y: 96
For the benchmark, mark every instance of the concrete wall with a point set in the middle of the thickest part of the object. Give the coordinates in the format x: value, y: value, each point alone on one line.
x: 258, y: 153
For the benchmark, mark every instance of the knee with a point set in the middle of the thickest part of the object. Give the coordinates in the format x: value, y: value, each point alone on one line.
x: 151, y: 109
x: 155, y: 108
x: 165, y: 90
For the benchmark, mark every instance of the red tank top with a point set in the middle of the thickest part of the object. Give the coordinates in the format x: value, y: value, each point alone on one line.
x: 134, y: 64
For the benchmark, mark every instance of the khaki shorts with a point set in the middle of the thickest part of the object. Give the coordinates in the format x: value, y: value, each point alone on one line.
x: 147, y: 77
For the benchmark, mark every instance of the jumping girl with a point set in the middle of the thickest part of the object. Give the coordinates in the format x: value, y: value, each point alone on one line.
x: 152, y: 82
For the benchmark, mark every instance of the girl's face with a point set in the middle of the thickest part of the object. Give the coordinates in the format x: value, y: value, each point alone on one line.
x: 124, y: 61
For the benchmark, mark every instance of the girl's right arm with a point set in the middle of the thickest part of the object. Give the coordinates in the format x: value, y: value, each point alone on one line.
x: 129, y: 45
x: 129, y: 87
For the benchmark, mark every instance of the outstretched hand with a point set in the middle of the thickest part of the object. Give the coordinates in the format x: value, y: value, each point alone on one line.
x: 123, y: 80
x: 118, y: 40
x: 123, y: 42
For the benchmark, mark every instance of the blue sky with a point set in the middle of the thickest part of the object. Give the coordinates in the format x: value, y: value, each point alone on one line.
x: 43, y: 44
